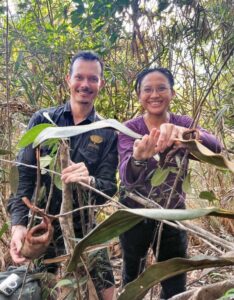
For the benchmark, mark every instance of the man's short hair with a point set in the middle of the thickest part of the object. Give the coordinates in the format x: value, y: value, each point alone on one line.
x: 86, y: 55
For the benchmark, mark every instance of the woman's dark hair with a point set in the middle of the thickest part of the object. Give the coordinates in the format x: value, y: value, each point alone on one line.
x: 86, y: 55
x: 145, y: 72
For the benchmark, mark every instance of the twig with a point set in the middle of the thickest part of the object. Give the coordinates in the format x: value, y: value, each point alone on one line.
x: 92, y: 293
x: 41, y: 212
x: 91, y: 213
x: 57, y: 173
x: 29, y: 166
x: 212, y: 246
x: 81, y: 204
x: 81, y: 208
x: 38, y: 184
x: 51, y: 184
x: 24, y: 281
x: 198, y: 111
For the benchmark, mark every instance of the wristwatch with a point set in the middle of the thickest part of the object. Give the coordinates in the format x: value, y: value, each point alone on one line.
x: 139, y: 163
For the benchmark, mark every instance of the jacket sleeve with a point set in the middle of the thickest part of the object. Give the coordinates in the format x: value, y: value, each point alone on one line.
x: 27, y: 179
x: 105, y: 174
x: 125, y: 150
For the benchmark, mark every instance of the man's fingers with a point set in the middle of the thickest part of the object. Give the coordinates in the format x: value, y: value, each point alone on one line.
x: 15, y: 253
x: 74, y: 172
x: 73, y: 167
x: 16, y: 245
x: 74, y: 178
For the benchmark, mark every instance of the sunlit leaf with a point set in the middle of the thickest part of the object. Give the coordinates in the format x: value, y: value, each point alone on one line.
x: 160, y: 175
x: 208, y: 195
x: 51, y: 144
x: 229, y: 295
x: 14, y: 179
x: 124, y: 219
x: 4, y: 228
x: 186, y: 185
x: 45, y: 161
x: 29, y: 137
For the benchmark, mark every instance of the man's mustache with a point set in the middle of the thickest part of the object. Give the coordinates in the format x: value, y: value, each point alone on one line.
x: 85, y: 90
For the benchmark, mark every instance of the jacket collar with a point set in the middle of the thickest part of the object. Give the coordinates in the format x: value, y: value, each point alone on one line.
x: 92, y: 117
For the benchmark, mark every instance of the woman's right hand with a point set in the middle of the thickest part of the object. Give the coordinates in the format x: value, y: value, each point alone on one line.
x: 147, y: 146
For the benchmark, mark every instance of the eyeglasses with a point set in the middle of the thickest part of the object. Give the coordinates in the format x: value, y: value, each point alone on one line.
x: 160, y: 90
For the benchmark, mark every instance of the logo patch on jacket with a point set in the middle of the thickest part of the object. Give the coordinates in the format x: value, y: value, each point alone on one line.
x: 96, y: 139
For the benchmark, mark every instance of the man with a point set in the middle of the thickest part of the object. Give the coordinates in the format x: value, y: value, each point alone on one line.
x: 93, y: 154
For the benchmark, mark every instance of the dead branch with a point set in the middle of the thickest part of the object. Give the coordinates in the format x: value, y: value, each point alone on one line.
x: 66, y: 205
x: 184, y: 225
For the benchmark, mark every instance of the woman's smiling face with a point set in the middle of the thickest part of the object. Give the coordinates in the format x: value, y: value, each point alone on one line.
x: 155, y: 93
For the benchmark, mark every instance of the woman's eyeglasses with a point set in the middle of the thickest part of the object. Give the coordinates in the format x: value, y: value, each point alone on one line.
x: 160, y: 90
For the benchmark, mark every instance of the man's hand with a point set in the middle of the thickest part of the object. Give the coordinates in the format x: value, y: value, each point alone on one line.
x: 76, y: 173
x: 18, y: 236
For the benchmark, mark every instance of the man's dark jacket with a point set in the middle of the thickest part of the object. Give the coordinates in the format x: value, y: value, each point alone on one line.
x: 97, y: 149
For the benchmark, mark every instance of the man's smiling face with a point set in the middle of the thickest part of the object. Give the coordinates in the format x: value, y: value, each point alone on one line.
x: 85, y: 82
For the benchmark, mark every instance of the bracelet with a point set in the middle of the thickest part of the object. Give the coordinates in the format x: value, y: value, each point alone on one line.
x: 139, y: 163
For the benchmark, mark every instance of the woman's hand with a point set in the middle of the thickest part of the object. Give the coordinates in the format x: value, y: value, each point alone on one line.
x: 168, y: 134
x: 147, y: 146
x: 157, y: 141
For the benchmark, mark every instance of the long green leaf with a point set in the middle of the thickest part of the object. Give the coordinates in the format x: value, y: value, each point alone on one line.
x: 29, y: 137
x: 124, y: 219
x: 138, y: 288
x: 68, y: 131
x: 196, y: 149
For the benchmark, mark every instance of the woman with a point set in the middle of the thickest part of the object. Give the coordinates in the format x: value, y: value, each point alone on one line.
x: 159, y: 128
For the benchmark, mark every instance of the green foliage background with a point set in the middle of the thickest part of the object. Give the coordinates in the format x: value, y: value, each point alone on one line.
x: 194, y: 39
